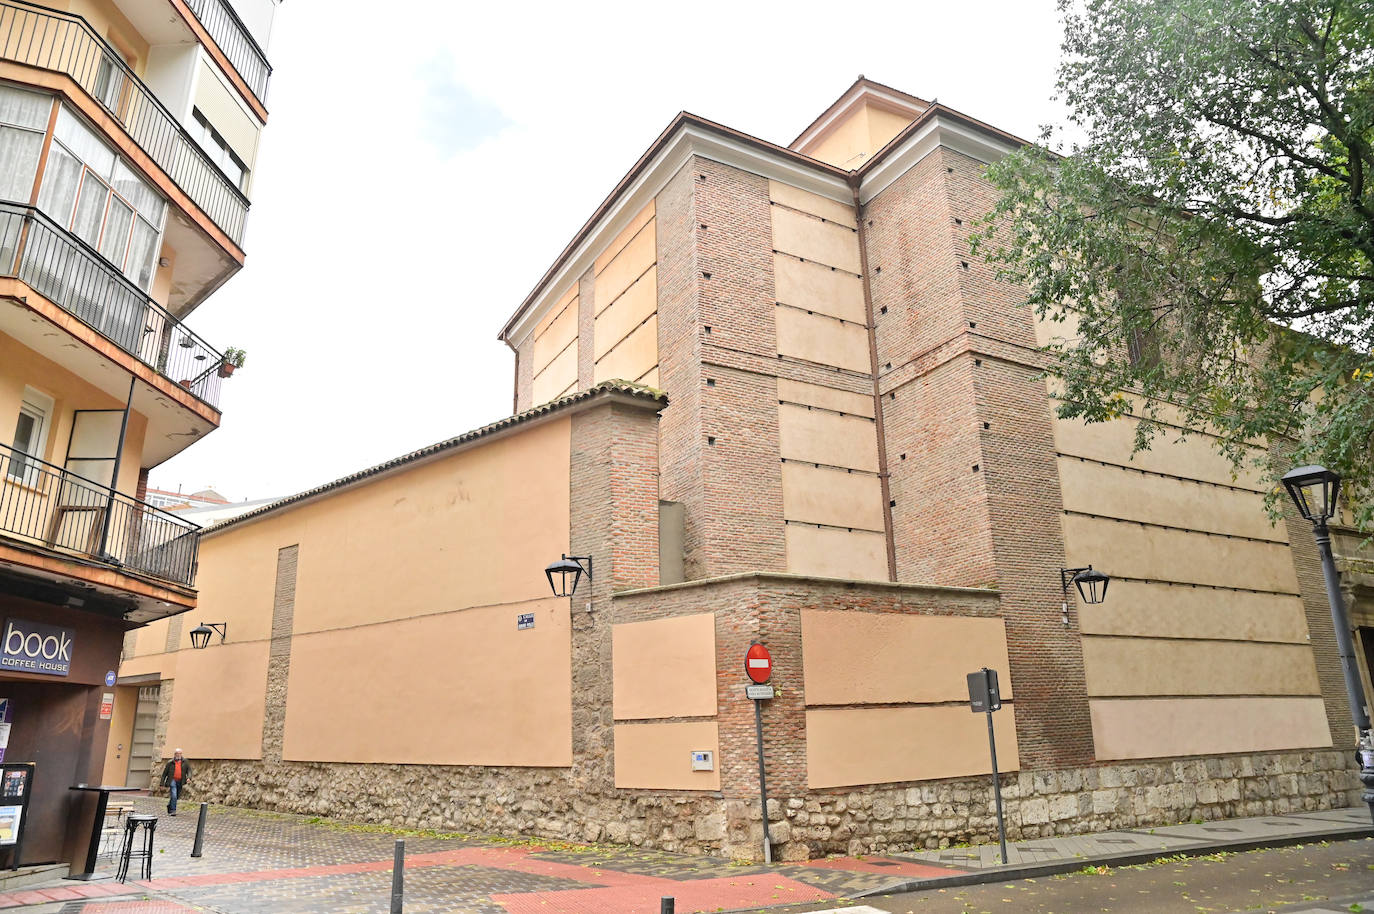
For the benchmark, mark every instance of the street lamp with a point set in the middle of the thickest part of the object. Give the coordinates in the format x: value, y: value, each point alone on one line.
x: 1092, y: 587
x: 200, y: 635
x: 1314, y: 490
x: 569, y: 566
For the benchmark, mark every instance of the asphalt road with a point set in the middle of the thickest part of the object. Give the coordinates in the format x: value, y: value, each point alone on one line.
x: 1330, y: 876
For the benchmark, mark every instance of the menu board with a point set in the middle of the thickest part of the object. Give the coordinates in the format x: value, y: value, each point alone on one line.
x: 16, y: 788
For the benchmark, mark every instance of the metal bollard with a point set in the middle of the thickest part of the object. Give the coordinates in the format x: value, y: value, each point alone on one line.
x: 200, y: 831
x: 398, y: 877
x: 666, y: 905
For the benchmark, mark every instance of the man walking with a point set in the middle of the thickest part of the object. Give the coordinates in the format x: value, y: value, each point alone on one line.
x: 175, y: 774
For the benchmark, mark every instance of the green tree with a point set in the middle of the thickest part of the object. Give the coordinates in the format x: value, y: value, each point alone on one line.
x: 1208, y: 242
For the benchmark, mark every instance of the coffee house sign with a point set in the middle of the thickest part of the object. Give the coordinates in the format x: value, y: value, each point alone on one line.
x: 31, y: 647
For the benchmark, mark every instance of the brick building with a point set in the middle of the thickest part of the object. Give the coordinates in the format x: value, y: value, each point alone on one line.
x: 772, y: 395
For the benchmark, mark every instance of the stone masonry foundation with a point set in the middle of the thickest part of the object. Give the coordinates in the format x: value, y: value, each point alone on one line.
x: 862, y: 820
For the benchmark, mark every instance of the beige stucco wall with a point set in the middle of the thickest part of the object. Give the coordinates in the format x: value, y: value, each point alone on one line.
x: 843, y: 401
x: 1159, y: 554
x: 20, y: 367
x: 217, y: 711
x: 426, y: 570
x: 822, y: 339
x: 665, y: 668
x: 831, y: 552
x: 855, y: 658
x: 1161, y: 727
x: 457, y: 688
x: 1204, y: 599
x: 851, y: 746
x: 658, y: 755
x: 555, y: 350
x: 1173, y: 666
x: 1160, y: 609
x: 865, y: 130
x: 816, y: 436
x: 625, y: 331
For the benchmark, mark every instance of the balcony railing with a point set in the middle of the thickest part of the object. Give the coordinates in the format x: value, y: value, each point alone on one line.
x: 45, y: 505
x: 66, y: 271
x: 233, y: 39
x: 65, y: 43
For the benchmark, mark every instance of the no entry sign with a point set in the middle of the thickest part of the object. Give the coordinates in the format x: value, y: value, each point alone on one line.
x: 758, y: 663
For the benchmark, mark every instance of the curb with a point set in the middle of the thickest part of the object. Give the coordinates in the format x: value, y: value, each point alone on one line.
x: 1128, y: 858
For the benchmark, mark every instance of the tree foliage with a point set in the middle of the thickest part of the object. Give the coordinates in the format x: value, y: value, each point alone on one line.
x: 1208, y: 244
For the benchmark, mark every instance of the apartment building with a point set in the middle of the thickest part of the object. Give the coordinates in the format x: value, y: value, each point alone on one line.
x: 128, y: 136
x: 767, y: 394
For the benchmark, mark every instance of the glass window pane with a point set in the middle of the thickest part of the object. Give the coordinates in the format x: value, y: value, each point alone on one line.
x: 81, y: 141
x: 19, y: 151
x: 26, y: 433
x: 60, y: 180
x: 90, y: 209
x: 133, y: 188
x: 24, y: 109
x: 114, y: 241
x: 142, y: 247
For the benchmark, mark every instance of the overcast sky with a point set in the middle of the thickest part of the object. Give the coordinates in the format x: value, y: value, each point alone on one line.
x: 424, y: 163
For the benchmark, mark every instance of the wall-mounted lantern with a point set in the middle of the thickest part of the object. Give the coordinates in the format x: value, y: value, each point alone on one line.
x: 1092, y: 585
x: 565, y: 574
x: 200, y: 635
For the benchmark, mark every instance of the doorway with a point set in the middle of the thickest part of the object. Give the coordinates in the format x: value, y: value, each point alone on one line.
x: 145, y: 727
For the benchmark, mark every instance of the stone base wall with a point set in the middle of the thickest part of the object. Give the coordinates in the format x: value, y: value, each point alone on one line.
x: 533, y: 802
x: 543, y: 803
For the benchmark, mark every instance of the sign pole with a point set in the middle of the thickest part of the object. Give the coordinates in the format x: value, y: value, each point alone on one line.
x: 997, y: 790
x: 763, y: 784
x: 758, y: 666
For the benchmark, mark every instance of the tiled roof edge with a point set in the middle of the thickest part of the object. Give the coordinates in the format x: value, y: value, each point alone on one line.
x: 649, y: 395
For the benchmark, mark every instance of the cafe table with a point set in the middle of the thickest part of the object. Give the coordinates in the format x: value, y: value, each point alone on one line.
x: 102, y: 802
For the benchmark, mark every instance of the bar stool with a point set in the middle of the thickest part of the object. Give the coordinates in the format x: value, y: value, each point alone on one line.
x: 132, y: 826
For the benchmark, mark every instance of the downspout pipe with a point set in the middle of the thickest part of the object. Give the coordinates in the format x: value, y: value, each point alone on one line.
x: 879, y: 430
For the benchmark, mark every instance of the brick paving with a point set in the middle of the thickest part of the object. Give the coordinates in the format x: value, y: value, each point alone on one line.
x: 259, y: 863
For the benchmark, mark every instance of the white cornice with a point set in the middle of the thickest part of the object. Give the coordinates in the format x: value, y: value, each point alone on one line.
x: 938, y: 131
x: 690, y: 140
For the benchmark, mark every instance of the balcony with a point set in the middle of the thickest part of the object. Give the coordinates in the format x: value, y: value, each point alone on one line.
x: 233, y: 39
x: 51, y: 508
x: 64, y: 43
x: 65, y: 270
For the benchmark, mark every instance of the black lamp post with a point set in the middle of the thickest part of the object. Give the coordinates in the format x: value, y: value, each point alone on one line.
x: 1314, y: 490
x: 565, y: 574
x: 200, y: 635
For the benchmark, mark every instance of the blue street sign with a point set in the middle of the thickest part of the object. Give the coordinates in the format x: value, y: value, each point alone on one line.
x: 110, y: 678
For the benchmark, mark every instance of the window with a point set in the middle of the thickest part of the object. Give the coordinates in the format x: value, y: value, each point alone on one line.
x: 217, y: 148
x: 93, y: 193
x: 23, y: 121
x: 30, y: 436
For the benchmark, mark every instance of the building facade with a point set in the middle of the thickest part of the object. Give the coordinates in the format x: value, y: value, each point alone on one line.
x: 773, y: 396
x: 128, y: 135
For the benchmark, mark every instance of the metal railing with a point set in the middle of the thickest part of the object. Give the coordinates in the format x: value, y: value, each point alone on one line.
x: 66, y: 271
x: 65, y: 43
x: 51, y: 507
x: 234, y: 40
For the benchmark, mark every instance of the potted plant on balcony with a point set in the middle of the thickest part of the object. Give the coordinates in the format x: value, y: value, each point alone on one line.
x: 233, y: 358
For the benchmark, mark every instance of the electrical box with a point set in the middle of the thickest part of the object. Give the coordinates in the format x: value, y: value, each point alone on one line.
x: 703, y: 760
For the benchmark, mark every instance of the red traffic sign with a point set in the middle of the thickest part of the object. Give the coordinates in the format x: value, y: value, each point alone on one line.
x: 758, y: 663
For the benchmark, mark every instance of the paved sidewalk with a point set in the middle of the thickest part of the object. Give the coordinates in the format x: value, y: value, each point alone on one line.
x: 260, y: 863
x: 1046, y: 856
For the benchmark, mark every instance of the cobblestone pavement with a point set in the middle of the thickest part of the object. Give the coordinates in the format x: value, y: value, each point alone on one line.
x: 265, y: 863
x: 261, y: 863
